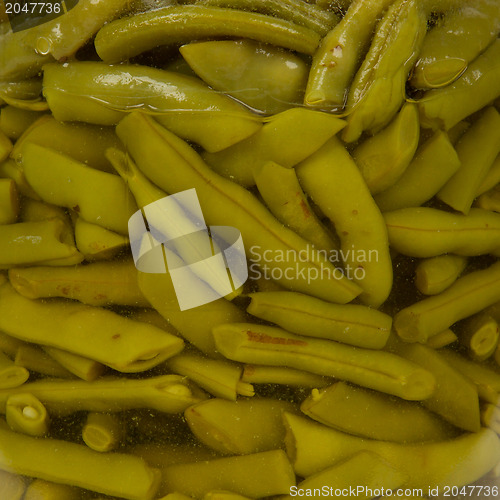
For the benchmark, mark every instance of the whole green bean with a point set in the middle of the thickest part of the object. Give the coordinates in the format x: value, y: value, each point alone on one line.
x: 130, y: 36
x: 26, y: 414
x: 378, y: 370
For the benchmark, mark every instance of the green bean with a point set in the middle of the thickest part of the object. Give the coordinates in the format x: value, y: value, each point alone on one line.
x: 166, y: 393
x: 130, y: 36
x: 9, y: 201
x: 98, y: 284
x: 489, y: 200
x: 304, y: 132
x: 357, y: 219
x: 442, y: 339
x: 152, y: 317
x: 26, y: 51
x: 352, y: 324
x: 378, y: 89
x: 455, y: 398
x: 95, y: 92
x: 122, y: 344
x: 374, y: 415
x: 10, y: 374
x: 339, y: 54
x: 84, y: 368
x: 34, y: 359
x: 5, y: 146
x: 467, y: 296
x: 490, y: 417
x: 249, y: 343
x: 102, y: 431
x: 476, y: 88
x: 296, y: 11
x: 436, y: 274
x: 99, y: 197
x: 289, y: 205
x: 491, y: 179
x: 46, y: 490
x: 233, y: 206
x: 26, y: 414
x: 428, y: 232
x: 21, y: 89
x: 479, y: 334
x: 12, y: 486
x: 259, y: 374
x: 457, y: 40
x: 353, y: 471
x: 219, y: 377
x: 457, y: 131
x: 313, y: 447
x: 383, y: 158
x: 14, y: 121
x: 42, y: 243
x: 11, y: 170
x: 271, y: 474
x: 269, y: 80
x: 74, y: 464
x: 477, y: 149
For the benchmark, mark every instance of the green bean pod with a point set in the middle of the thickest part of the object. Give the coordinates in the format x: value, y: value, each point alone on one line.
x: 352, y: 324
x: 383, y: 158
x: 115, y: 341
x: 491, y: 179
x: 36, y: 211
x: 378, y: 370
x: 37, y: 243
x: 428, y: 232
x: 339, y: 54
x: 233, y: 206
x: 95, y: 92
x: 97, y: 284
x: 84, y: 368
x: 239, y: 427
x: 271, y: 474
x: 26, y: 414
x: 378, y: 89
x: 128, y: 37
x: 21, y: 89
x: 442, y: 339
x: 260, y: 374
x: 10, y: 374
x: 15, y: 121
x: 34, y: 359
x: 476, y: 88
x: 304, y: 132
x: 335, y: 184
x: 12, y: 486
x: 289, y: 204
x: 102, y: 431
x: 436, y: 274
x: 220, y: 378
x: 99, y: 197
x: 455, y: 42
x: 11, y: 170
x: 489, y: 200
x: 9, y: 201
x: 373, y: 415
x: 166, y: 393
x: 46, y: 490
x: 460, y: 461
x: 73, y: 464
x: 479, y: 334
x: 477, y: 149
x: 270, y: 79
x: 468, y: 295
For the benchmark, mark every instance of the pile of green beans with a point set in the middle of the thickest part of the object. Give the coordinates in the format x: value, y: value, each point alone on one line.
x: 355, y: 145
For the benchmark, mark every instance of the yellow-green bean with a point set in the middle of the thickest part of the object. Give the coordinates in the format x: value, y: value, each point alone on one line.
x: 479, y: 334
x: 490, y: 417
x: 9, y: 201
x: 21, y: 89
x: 5, y: 146
x: 34, y: 359
x: 35, y: 211
x: 14, y: 121
x: 102, y: 431
x: 84, y: 368
x: 436, y: 274
x: 222, y: 495
x: 489, y: 200
x: 491, y: 179
x: 10, y: 169
x: 261, y: 374
x: 442, y: 339
x: 12, y: 486
x: 26, y: 414
x: 46, y: 490
x: 10, y: 374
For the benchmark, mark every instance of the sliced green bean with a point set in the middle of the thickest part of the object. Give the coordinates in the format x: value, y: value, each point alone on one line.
x: 436, y: 274
x: 21, y: 89
x: 26, y: 414
x: 10, y: 374
x: 490, y: 417
x: 12, y: 170
x: 304, y: 131
x: 468, y: 295
x: 97, y: 284
x: 95, y: 92
x: 289, y: 204
x: 477, y: 149
x: 296, y: 11
x: 378, y: 370
x: 489, y: 200
x: 378, y: 89
x: 260, y: 374
x: 5, y: 146
x: 234, y: 206
x: 120, y: 343
x: 357, y: 219
x: 73, y: 464
x: 352, y: 324
x: 428, y: 232
x: 313, y: 447
x: 34, y: 359
x: 442, y: 339
x: 12, y: 486
x: 373, y: 415
x: 9, y: 201
x: 239, y: 427
x: 46, y: 490
x: 269, y: 80
x: 130, y: 36
x: 14, y: 121
x: 455, y: 42
x: 84, y: 368
x: 491, y: 179
x: 476, y: 88
x: 457, y: 131
x: 479, y: 334
x: 219, y: 377
x: 102, y: 431
x: 339, y: 54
